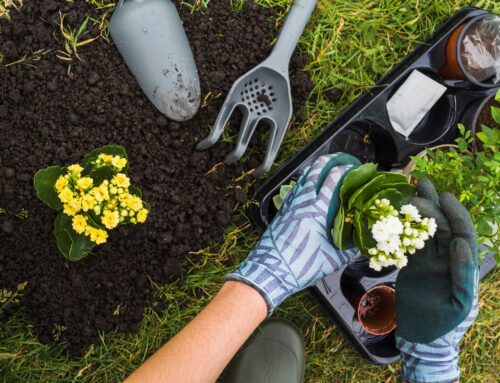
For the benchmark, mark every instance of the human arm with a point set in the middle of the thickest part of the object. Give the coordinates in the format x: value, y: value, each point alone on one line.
x: 201, y: 350
x: 287, y: 261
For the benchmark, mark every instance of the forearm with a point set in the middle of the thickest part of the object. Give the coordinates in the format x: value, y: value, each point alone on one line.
x: 200, y: 351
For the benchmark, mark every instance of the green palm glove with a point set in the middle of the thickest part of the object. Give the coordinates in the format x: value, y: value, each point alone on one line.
x: 436, y: 291
x: 436, y: 294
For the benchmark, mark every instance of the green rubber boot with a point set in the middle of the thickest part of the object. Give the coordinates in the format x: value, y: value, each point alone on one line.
x: 275, y: 353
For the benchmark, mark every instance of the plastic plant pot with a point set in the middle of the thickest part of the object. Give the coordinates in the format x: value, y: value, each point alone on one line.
x: 460, y: 65
x: 376, y: 310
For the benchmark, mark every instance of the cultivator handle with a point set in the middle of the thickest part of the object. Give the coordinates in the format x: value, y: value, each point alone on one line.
x: 289, y: 35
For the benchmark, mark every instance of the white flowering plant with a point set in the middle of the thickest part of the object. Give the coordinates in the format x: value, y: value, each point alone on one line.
x: 91, y: 199
x: 376, y: 217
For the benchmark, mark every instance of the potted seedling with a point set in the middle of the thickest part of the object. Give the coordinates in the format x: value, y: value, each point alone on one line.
x: 473, y: 53
x: 91, y: 198
x: 472, y: 176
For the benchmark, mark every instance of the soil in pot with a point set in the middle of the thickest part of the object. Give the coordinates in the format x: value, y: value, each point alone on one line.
x: 377, y: 310
x: 48, y: 117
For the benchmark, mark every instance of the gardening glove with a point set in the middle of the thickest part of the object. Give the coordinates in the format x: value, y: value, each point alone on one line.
x: 436, y: 294
x: 296, y: 249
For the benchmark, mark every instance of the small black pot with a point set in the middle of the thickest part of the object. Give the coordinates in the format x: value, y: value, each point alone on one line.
x: 471, y: 117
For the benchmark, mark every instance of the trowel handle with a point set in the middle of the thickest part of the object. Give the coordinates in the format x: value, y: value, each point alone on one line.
x: 290, y: 33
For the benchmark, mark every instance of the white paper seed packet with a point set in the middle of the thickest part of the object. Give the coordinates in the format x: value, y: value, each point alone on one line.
x: 412, y: 101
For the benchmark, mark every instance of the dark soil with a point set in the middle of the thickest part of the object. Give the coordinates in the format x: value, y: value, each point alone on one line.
x: 370, y: 305
x: 48, y: 117
x: 264, y: 98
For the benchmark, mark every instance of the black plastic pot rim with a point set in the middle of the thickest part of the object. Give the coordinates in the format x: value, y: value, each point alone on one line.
x: 459, y: 56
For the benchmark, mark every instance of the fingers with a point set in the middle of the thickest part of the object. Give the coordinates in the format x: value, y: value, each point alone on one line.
x: 464, y: 269
x: 459, y: 220
x: 426, y: 189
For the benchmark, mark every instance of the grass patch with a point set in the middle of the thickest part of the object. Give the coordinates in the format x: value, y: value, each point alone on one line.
x: 352, y: 44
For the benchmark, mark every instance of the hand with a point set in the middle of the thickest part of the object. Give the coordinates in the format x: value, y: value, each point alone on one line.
x: 296, y: 249
x: 436, y: 294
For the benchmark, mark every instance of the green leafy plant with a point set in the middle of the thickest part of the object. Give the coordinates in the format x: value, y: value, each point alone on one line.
x: 90, y: 198
x: 472, y: 176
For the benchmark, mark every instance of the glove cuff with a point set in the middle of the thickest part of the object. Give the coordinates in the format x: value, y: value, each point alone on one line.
x: 271, y: 287
x: 428, y: 363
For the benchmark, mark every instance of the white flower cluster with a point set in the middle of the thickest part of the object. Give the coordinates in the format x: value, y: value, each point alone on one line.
x: 397, y: 233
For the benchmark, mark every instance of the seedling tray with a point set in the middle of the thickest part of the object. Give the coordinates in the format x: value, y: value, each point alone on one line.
x: 364, y: 130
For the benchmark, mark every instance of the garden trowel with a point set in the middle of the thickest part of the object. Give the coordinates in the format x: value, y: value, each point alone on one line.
x: 152, y: 41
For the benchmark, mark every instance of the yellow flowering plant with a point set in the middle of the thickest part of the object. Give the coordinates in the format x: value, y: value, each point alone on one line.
x: 92, y: 198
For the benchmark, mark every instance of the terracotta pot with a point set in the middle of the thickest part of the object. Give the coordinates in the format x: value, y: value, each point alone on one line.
x: 376, y: 310
x: 410, y: 165
x: 454, y: 67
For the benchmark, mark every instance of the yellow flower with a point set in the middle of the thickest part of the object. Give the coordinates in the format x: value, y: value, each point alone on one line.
x: 75, y: 168
x: 103, y: 188
x: 119, y: 162
x: 85, y: 183
x: 68, y: 210
x: 66, y: 195
x: 79, y: 224
x: 105, y: 158
x: 98, y: 236
x: 121, y: 180
x: 88, y: 202
x: 75, y: 204
x: 142, y: 215
x: 110, y: 219
x: 134, y: 203
x: 61, y: 183
x: 96, y: 192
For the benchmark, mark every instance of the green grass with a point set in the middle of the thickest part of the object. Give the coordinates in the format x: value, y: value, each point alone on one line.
x: 352, y: 44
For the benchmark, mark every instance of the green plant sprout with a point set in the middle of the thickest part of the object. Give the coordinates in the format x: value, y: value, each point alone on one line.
x: 90, y: 200
x: 473, y: 177
x: 73, y: 39
x: 27, y: 59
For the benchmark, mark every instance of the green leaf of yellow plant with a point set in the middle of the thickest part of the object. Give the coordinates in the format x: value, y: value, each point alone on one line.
x: 72, y: 245
x: 44, y: 182
x: 101, y: 174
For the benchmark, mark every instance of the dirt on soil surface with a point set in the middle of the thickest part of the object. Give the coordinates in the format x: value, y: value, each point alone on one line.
x: 48, y: 117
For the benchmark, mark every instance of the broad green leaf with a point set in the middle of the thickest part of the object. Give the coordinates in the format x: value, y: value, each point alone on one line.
x: 81, y: 245
x: 101, y: 174
x: 363, y: 235
x: 44, y: 182
x: 495, y: 113
x: 497, y: 95
x: 146, y: 205
x: 284, y: 190
x: 62, y: 237
x: 72, y: 245
x: 134, y: 190
x: 277, y: 201
x: 355, y: 179
x: 342, y: 231
x: 114, y: 150
x: 383, y: 180
x: 397, y: 199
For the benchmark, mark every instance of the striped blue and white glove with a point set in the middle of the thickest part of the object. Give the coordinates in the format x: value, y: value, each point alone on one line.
x: 296, y: 249
x: 437, y: 361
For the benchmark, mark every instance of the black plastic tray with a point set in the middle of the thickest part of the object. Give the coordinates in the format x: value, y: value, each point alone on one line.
x: 348, y: 132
